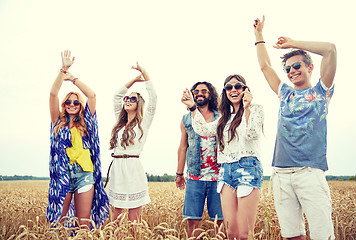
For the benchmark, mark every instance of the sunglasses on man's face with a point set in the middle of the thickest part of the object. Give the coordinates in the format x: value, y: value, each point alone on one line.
x: 237, y: 86
x: 69, y: 102
x: 296, y: 66
x: 203, y: 91
x: 132, y: 99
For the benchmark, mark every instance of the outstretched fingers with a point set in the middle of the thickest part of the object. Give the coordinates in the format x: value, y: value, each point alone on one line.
x: 66, y: 59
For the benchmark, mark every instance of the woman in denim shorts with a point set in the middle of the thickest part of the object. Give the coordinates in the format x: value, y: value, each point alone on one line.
x: 75, y: 167
x: 238, y: 131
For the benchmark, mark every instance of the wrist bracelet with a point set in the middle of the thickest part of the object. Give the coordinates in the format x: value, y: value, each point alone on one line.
x: 63, y: 71
x: 74, y: 80
x: 259, y: 42
x: 179, y: 174
x: 192, y: 109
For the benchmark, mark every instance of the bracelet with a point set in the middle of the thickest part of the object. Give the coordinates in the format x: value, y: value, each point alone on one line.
x: 63, y: 71
x: 192, y: 109
x: 179, y: 174
x: 259, y: 42
x: 74, y: 79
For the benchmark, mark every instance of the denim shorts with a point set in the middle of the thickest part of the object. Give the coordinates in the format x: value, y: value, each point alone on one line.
x: 247, y: 171
x: 195, y: 194
x: 79, y: 178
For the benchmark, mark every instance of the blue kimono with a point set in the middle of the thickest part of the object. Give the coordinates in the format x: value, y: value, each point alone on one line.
x: 58, y: 167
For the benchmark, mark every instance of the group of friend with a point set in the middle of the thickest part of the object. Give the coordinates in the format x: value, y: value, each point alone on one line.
x: 220, y: 146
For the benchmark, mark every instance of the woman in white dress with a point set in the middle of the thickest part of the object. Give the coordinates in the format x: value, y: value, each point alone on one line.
x: 127, y: 187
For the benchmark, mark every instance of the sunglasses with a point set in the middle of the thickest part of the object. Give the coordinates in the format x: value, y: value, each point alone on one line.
x: 132, y: 99
x: 237, y: 86
x: 203, y: 91
x: 296, y: 66
x: 69, y: 102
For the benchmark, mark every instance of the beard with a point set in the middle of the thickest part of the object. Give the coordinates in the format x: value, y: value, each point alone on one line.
x: 202, y: 102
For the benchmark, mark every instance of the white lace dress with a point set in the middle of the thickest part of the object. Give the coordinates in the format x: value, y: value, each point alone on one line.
x: 127, y: 186
x: 247, y: 141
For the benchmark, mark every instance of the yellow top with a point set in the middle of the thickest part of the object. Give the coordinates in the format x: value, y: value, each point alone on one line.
x: 77, y: 153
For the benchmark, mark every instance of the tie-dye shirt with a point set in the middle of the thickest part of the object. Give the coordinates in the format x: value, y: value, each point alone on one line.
x: 301, y: 135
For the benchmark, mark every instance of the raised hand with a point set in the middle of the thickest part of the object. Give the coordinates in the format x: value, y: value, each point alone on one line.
x: 283, y: 43
x: 142, y: 71
x: 139, y: 78
x: 187, y: 98
x: 69, y: 77
x: 137, y: 67
x: 258, y: 25
x: 247, y: 98
x: 66, y: 60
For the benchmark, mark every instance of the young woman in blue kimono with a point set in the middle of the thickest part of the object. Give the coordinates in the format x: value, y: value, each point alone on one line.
x: 75, y: 167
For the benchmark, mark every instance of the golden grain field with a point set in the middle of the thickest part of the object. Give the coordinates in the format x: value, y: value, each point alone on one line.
x: 23, y: 208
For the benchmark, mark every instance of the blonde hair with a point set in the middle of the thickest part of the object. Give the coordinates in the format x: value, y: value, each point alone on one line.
x: 80, y: 124
x: 129, y: 134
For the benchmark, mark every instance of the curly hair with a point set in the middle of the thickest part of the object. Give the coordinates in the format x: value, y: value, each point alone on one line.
x: 213, y: 96
x: 225, y: 110
x: 306, y: 57
x: 80, y: 124
x: 128, y: 134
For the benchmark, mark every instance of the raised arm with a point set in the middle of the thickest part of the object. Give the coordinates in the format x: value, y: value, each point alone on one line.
x: 53, y: 96
x: 140, y: 78
x: 199, y: 123
x: 152, y: 100
x: 143, y: 77
x: 263, y: 58
x: 324, y: 49
x: 188, y: 100
x: 85, y: 89
x: 119, y: 95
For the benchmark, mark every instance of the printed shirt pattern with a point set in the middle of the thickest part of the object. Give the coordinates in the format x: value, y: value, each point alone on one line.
x: 301, y: 136
x: 209, y: 166
x: 58, y: 168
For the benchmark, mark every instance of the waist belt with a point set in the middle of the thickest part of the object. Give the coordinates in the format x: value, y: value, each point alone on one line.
x: 124, y: 156
x: 117, y: 156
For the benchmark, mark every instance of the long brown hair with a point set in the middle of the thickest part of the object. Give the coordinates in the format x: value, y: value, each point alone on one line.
x: 80, y: 124
x: 225, y: 110
x: 129, y: 134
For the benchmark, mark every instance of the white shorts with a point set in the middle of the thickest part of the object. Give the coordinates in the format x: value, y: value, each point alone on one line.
x: 241, y: 190
x: 303, y: 189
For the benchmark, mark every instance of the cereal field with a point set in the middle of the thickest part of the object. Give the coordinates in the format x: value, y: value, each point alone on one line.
x: 23, y: 206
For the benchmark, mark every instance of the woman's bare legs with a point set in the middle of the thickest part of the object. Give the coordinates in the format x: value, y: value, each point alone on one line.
x: 229, y: 205
x: 83, y: 202
x: 66, y: 204
x: 116, y: 213
x: 239, y: 213
x: 247, y: 209
x: 134, y: 213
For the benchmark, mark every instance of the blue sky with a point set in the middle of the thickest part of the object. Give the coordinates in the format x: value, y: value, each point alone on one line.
x: 179, y: 43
